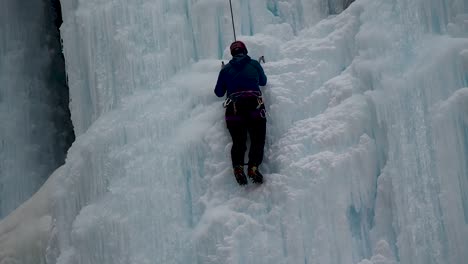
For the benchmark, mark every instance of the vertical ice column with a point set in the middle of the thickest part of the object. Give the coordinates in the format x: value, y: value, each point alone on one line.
x: 419, y: 205
x: 114, y: 48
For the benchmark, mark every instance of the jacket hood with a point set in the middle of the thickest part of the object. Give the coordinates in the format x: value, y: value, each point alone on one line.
x: 239, y: 61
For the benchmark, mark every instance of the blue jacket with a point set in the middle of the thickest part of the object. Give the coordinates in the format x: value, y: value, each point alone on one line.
x: 240, y: 74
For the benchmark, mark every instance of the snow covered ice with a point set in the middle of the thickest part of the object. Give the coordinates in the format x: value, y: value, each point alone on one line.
x: 367, y: 139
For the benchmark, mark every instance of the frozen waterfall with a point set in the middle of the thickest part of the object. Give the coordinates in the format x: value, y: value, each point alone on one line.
x: 367, y: 134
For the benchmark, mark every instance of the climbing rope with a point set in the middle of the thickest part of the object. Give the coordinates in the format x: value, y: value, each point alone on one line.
x: 232, y: 18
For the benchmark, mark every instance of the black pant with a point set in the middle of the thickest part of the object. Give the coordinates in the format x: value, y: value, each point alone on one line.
x: 245, y: 117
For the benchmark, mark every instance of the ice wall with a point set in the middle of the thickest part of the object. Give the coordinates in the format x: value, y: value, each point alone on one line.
x: 353, y: 155
x: 409, y: 88
x: 131, y: 45
x: 33, y: 140
x: 366, y: 153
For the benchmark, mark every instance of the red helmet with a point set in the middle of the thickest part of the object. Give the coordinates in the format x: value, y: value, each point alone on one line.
x: 238, y: 47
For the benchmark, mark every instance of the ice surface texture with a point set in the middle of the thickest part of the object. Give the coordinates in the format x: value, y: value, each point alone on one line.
x: 367, y: 147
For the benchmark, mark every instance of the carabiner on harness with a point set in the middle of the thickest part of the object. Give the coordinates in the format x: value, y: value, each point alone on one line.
x: 226, y: 102
x: 259, y: 101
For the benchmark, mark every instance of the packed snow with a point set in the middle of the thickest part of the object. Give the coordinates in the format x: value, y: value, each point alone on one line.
x: 367, y: 146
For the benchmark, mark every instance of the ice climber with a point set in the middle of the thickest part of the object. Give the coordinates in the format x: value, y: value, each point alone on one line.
x: 245, y: 111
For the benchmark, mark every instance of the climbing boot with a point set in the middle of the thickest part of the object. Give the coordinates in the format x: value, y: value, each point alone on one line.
x: 255, y: 175
x: 240, y: 175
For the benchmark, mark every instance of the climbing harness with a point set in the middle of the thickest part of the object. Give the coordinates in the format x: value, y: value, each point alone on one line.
x: 232, y: 18
x: 232, y: 98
